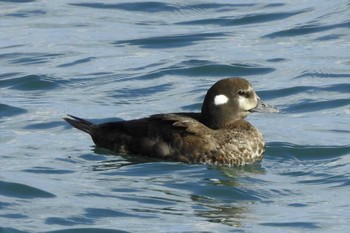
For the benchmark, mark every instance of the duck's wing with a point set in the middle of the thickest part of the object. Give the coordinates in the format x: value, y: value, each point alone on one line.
x: 178, y: 123
x: 162, y: 135
x: 180, y: 137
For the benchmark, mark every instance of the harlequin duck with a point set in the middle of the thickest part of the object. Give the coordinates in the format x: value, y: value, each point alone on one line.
x: 217, y: 135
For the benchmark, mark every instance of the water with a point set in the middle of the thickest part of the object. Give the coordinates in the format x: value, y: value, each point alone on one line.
x: 123, y: 60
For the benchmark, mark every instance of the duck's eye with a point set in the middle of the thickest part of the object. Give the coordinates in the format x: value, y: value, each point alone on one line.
x: 243, y: 93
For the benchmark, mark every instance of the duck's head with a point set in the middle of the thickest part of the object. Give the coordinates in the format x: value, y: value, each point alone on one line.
x: 229, y: 100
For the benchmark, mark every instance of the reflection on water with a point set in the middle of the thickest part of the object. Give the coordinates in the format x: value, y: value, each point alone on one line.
x: 224, y: 214
x: 225, y: 199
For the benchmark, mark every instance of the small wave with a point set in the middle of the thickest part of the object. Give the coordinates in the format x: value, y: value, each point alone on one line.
x: 7, y: 110
x: 145, y: 91
x: 23, y: 191
x: 220, y: 7
x: 46, y: 125
x: 87, y: 230
x: 25, y: 14
x: 330, y: 37
x: 18, y: 1
x: 90, y: 216
x: 298, y: 225
x: 306, y: 152
x: 10, y: 230
x: 195, y: 68
x: 243, y: 19
x: 283, y: 92
x: 160, y: 7
x: 311, y: 165
x: 278, y: 59
x: 305, y: 29
x: 30, y: 83
x: 322, y: 75
x: 29, y: 58
x: 47, y: 170
x: 325, y: 178
x: 77, y: 62
x: 309, y: 105
x: 149, y: 7
x: 171, y: 41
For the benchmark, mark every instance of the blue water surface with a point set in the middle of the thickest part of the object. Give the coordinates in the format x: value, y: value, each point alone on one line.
x: 113, y: 60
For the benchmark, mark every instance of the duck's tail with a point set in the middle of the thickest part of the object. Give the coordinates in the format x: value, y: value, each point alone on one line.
x: 80, y: 124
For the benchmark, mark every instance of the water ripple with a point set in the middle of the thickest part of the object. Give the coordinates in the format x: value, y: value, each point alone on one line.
x: 149, y: 7
x: 7, y: 110
x: 221, y: 7
x: 77, y: 62
x: 306, y: 152
x: 322, y: 75
x: 334, y: 180
x: 172, y: 41
x: 309, y: 105
x: 159, y: 7
x: 87, y: 230
x: 306, y: 225
x: 90, y: 216
x: 47, y: 170
x: 295, y: 90
x: 244, y: 19
x: 305, y: 29
x: 22, y: 191
x: 207, y: 68
x: 11, y: 230
x: 18, y: 1
x: 28, y: 58
x: 224, y: 214
x: 30, y: 83
x: 26, y: 14
x: 145, y: 91
x: 45, y: 125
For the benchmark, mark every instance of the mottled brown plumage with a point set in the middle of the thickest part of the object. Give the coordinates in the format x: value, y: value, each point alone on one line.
x: 217, y: 135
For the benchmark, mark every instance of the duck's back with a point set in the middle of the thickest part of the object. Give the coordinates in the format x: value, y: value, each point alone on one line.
x: 166, y: 136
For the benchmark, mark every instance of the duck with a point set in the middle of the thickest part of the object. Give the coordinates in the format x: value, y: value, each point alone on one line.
x: 217, y: 135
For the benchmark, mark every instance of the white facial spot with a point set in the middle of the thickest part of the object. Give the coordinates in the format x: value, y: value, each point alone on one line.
x: 220, y: 99
x: 247, y: 103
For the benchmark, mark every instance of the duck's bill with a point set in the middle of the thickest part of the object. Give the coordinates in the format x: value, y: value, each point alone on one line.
x: 263, y: 107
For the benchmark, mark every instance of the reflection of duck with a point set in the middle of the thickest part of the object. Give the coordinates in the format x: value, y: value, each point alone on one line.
x: 217, y: 135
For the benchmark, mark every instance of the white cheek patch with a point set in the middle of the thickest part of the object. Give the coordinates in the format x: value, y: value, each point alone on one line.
x: 246, y: 104
x: 220, y: 99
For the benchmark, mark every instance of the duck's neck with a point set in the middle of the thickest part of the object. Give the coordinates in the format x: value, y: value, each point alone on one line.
x: 217, y: 120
